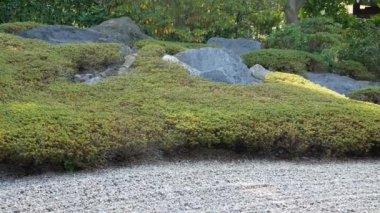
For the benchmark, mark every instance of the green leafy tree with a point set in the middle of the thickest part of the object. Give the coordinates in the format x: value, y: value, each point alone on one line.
x: 71, y: 12
x: 198, y: 20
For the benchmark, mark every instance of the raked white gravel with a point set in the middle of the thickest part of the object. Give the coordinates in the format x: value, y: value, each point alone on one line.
x: 203, y: 186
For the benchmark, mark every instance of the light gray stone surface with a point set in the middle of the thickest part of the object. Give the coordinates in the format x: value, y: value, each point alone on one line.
x: 173, y: 59
x: 206, y: 186
x: 217, y: 65
x: 237, y: 46
x: 60, y: 34
x: 340, y: 84
x: 123, y: 29
x: 259, y: 72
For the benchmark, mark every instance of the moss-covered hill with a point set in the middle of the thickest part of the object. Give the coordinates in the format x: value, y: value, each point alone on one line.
x: 45, y: 119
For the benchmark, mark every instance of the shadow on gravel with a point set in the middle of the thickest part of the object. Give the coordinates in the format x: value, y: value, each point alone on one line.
x: 154, y: 155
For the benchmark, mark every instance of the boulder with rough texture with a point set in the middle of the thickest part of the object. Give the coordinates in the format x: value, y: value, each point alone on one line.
x: 173, y: 59
x: 259, y: 72
x: 60, y: 34
x: 123, y: 29
x: 340, y: 84
x: 217, y: 65
x: 237, y: 46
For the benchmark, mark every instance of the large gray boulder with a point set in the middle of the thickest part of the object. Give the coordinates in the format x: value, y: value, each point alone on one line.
x: 217, y: 65
x: 59, y: 34
x: 123, y: 29
x: 340, y: 84
x: 237, y: 46
x: 173, y: 59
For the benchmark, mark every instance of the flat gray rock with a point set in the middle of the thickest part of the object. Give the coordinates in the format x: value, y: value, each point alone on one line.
x: 60, y: 34
x: 237, y: 46
x: 123, y: 29
x: 340, y: 84
x: 217, y: 65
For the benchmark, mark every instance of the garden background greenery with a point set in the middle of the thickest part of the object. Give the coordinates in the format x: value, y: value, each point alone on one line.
x: 45, y: 119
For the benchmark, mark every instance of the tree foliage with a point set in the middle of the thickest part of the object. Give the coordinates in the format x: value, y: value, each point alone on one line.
x: 198, y: 20
x: 186, y: 20
x: 71, y: 12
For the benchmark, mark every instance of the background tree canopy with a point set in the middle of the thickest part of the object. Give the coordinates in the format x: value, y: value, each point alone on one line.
x: 187, y: 20
x: 184, y: 20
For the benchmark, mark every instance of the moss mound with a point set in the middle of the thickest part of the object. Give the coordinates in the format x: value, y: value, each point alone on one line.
x: 371, y: 94
x: 17, y: 27
x: 293, y: 61
x: 44, y: 119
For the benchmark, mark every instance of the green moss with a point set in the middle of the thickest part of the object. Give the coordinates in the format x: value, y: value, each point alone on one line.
x: 353, y: 69
x: 33, y: 64
x: 292, y: 61
x: 371, y: 94
x: 169, y: 46
x: 17, y: 27
x: 59, y: 123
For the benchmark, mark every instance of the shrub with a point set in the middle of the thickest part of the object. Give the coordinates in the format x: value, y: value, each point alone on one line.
x: 363, y: 43
x: 330, y: 8
x: 320, y: 25
x: 292, y: 61
x: 371, y: 94
x: 358, y: 42
x: 353, y: 69
x: 72, y: 125
x: 311, y: 34
x: 18, y: 27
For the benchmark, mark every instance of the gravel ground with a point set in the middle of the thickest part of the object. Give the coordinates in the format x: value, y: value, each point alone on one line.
x: 203, y: 186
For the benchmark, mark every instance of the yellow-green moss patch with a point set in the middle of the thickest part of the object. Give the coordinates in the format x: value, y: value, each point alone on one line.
x: 17, y: 27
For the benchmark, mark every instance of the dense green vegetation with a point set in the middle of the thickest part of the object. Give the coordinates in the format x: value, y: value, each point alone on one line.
x: 70, y: 12
x: 198, y: 20
x: 371, y: 94
x: 46, y: 119
x: 292, y: 61
x: 185, y: 20
x: 351, y: 51
x: 353, y: 69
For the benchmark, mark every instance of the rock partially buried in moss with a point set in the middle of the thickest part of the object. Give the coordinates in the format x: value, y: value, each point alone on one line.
x: 371, y: 94
x: 341, y: 84
x: 60, y: 34
x: 173, y: 59
x: 217, y: 65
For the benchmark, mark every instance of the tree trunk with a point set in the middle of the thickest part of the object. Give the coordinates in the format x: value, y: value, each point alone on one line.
x: 291, y: 10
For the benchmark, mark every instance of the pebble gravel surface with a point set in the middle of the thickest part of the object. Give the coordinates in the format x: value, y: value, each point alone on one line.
x: 203, y: 186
